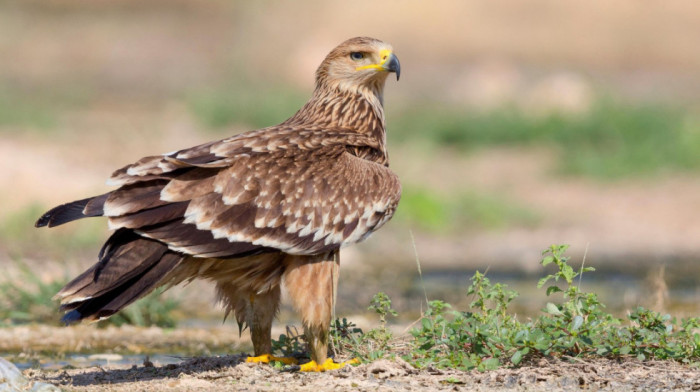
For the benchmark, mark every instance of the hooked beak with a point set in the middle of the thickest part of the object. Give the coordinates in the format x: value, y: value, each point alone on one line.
x: 391, y: 64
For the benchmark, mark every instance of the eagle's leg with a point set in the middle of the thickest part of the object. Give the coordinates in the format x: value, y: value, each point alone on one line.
x: 311, y: 282
x: 260, y: 310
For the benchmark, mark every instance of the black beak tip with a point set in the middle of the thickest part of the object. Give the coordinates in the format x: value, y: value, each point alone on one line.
x: 395, y: 66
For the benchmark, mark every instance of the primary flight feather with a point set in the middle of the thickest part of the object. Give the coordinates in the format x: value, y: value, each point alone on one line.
x: 253, y: 211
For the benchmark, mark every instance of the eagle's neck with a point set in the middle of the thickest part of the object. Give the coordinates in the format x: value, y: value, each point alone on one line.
x: 359, y: 109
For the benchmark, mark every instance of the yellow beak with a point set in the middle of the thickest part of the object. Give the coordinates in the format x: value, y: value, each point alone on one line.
x: 389, y: 63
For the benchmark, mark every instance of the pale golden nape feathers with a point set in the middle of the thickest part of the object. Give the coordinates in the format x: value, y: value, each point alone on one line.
x: 254, y: 210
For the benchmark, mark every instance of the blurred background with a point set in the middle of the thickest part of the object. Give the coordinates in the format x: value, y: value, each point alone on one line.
x: 516, y: 125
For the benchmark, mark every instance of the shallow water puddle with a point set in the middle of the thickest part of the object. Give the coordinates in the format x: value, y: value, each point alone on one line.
x: 91, y: 360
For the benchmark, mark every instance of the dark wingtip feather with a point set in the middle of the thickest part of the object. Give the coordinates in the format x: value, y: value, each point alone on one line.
x: 138, y: 266
x: 71, y: 317
x: 72, y: 211
x: 44, y: 220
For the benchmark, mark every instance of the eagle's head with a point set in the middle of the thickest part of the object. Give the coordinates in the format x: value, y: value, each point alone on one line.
x: 357, y: 64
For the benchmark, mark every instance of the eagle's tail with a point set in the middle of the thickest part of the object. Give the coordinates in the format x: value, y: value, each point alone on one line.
x: 129, y: 267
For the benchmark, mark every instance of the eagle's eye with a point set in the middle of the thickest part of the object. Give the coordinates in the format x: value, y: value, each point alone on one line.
x: 357, y: 56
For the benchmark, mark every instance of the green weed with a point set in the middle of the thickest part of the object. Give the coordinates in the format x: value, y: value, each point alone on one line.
x: 376, y: 340
x: 348, y: 340
x: 345, y: 337
x: 291, y: 344
x: 487, y: 335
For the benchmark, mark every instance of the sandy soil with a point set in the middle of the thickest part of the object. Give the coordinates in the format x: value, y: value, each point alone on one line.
x: 232, y: 373
x: 33, y: 339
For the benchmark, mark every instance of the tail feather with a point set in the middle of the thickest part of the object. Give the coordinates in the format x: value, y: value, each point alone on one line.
x: 126, y: 256
x: 130, y: 267
x: 92, y: 206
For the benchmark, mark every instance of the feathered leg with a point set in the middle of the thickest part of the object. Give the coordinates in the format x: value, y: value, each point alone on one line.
x: 255, y: 311
x: 263, y: 308
x: 311, y: 282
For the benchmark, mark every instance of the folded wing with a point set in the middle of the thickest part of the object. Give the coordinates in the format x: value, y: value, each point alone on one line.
x: 295, y: 191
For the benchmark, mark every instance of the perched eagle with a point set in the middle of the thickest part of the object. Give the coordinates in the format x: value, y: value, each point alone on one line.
x: 253, y: 211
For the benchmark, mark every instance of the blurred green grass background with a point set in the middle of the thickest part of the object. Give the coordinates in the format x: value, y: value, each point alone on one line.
x: 510, y: 129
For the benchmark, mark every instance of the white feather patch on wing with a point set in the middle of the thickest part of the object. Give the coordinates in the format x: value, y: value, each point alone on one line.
x: 74, y: 300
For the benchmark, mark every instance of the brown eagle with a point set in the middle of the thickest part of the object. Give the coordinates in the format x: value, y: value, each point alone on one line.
x: 254, y: 211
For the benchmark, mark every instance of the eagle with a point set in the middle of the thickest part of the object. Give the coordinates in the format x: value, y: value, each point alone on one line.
x: 253, y: 212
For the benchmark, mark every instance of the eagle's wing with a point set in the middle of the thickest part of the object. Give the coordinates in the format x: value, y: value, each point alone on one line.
x: 298, y: 191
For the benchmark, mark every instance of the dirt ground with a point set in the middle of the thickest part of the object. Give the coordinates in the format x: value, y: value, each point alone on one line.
x: 229, y: 373
x: 209, y: 372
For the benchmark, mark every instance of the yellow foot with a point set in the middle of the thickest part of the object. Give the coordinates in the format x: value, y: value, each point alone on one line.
x: 328, y: 365
x: 267, y: 358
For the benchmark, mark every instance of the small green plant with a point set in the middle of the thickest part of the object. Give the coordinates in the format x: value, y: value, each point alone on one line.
x: 467, y: 340
x: 345, y: 337
x: 381, y: 304
x: 377, y: 340
x: 487, y: 336
x: 346, y: 340
x: 290, y: 344
x: 578, y: 323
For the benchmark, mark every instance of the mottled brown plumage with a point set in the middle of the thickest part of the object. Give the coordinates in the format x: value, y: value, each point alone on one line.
x: 254, y: 211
